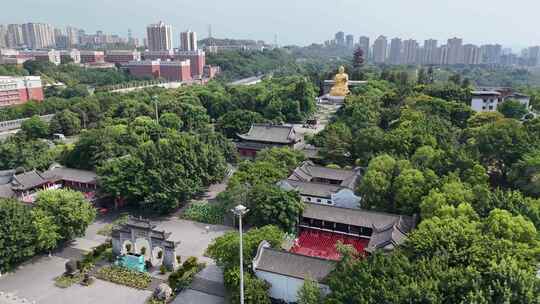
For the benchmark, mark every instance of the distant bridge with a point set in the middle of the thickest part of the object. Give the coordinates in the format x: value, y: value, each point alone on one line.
x: 15, y: 124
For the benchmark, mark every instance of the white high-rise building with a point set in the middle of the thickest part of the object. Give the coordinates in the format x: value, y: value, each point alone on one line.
x: 471, y: 54
x: 159, y: 37
x: 410, y: 50
x: 188, y: 41
x: 39, y: 35
x: 15, y: 36
x: 430, y: 52
x: 3, y: 36
x: 379, y: 49
x: 363, y: 43
x: 455, y: 51
x: 395, y: 51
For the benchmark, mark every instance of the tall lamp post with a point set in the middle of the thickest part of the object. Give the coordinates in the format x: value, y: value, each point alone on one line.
x: 240, y: 210
x: 155, y: 101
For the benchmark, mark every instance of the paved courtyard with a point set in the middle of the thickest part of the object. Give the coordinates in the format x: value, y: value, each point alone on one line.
x: 34, y: 280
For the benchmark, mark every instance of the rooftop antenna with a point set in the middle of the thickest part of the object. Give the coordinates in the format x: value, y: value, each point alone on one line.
x: 275, y: 40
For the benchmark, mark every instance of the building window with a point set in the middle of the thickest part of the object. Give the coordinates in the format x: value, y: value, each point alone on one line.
x: 309, y: 199
x: 490, y: 107
x: 318, y: 200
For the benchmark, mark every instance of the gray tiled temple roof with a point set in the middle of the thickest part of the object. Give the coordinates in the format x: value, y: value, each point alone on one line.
x: 27, y: 180
x: 357, y: 217
x: 309, y: 171
x: 293, y: 265
x: 310, y: 189
x: 68, y: 174
x: 270, y: 133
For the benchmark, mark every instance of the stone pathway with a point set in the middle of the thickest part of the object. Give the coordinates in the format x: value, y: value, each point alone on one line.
x: 208, y: 287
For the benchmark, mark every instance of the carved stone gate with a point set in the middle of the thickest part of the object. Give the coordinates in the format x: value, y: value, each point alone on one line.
x: 140, y: 233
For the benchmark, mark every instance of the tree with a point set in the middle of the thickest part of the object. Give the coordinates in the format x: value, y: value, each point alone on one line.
x: 237, y: 122
x: 525, y: 173
x: 160, y: 175
x: 310, y: 293
x: 274, y: 206
x: 225, y: 249
x: 422, y: 77
x: 501, y: 144
x: 72, y: 213
x: 282, y: 157
x: 17, y: 151
x: 17, y: 235
x: 512, y: 109
x: 502, y: 225
x: 255, y: 289
x: 65, y: 122
x: 47, y: 231
x: 171, y: 121
x: 35, y: 127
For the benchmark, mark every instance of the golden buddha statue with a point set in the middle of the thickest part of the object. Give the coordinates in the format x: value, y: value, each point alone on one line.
x: 341, y: 85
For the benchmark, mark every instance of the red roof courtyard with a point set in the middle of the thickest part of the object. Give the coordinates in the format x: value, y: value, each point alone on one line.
x: 322, y: 244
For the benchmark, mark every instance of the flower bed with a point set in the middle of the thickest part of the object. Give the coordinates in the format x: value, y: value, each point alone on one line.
x: 65, y: 281
x: 204, y: 212
x: 124, y: 276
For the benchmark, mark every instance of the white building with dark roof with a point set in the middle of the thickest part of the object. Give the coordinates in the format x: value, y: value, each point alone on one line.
x: 488, y: 99
x: 322, y: 185
x: 286, y: 271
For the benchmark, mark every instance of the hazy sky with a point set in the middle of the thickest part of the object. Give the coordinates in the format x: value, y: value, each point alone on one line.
x: 511, y: 23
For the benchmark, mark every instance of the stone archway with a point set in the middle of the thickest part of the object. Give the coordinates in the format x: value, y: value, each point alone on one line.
x: 141, y: 233
x: 125, y: 245
x: 141, y: 243
x: 156, y: 259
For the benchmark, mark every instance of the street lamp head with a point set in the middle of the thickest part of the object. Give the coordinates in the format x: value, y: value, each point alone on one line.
x: 240, y: 210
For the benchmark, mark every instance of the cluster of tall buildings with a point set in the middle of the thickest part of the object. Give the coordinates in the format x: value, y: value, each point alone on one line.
x: 409, y: 51
x: 341, y: 40
x: 45, y: 36
x: 431, y: 52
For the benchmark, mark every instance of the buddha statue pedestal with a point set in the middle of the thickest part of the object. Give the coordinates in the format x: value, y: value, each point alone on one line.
x: 339, y: 89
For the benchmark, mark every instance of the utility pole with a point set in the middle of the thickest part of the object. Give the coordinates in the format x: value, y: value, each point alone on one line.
x: 240, y: 210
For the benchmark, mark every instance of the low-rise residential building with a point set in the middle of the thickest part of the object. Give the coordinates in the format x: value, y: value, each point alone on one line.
x: 262, y: 136
x: 19, y: 90
x: 488, y: 99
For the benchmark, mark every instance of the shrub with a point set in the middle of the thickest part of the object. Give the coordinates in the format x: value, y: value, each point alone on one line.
x: 205, y: 213
x: 124, y: 276
x: 160, y: 254
x: 162, y: 269
x: 182, y: 277
x: 64, y: 281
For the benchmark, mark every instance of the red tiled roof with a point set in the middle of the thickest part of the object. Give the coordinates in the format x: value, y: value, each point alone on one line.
x: 322, y: 244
